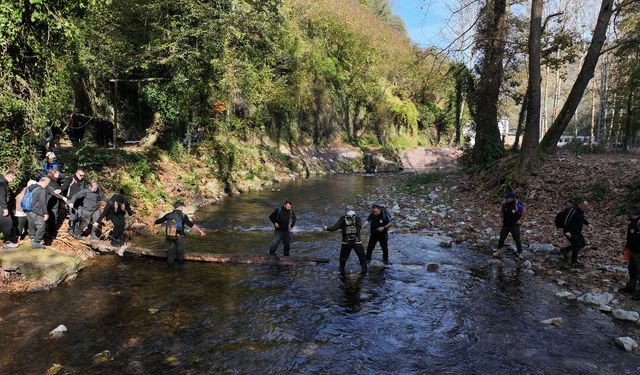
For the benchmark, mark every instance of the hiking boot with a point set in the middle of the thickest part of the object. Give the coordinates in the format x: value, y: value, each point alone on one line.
x: 627, y: 289
x: 636, y: 296
x: 37, y: 245
x: 577, y: 265
x: 565, y: 253
x: 10, y: 245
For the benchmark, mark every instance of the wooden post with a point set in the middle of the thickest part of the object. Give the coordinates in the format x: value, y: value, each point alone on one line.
x: 115, y: 113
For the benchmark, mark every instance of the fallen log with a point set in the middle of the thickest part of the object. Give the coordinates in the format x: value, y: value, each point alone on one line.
x: 106, y: 247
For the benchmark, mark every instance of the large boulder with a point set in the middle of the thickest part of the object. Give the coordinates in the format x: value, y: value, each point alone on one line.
x: 596, y: 298
x: 630, y: 316
x: 626, y: 343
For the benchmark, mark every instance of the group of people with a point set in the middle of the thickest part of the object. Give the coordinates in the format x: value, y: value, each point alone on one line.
x: 284, y: 219
x: 571, y: 221
x: 40, y: 208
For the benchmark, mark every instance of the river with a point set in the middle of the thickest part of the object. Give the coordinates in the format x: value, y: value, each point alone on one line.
x: 468, y: 318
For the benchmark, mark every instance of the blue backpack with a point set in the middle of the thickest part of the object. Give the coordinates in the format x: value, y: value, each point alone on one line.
x: 174, y: 226
x: 27, y: 201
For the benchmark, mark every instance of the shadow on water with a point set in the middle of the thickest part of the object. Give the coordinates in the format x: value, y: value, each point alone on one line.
x: 467, y: 318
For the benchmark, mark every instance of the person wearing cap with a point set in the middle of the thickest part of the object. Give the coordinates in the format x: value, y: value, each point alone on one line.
x: 513, y: 214
x: 115, y: 210
x: 283, y: 219
x: 6, y: 222
x: 50, y: 164
x: 175, y: 233
x: 350, y: 225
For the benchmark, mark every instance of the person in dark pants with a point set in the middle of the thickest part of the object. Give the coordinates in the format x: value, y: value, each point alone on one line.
x: 71, y: 187
x: 117, y: 206
x: 6, y: 222
x: 53, y: 205
x: 283, y: 219
x: 351, y: 225
x: 513, y: 214
x: 38, y: 215
x: 573, y: 232
x: 175, y: 222
x: 380, y: 222
x: 90, y: 212
x: 632, y: 246
x: 20, y: 217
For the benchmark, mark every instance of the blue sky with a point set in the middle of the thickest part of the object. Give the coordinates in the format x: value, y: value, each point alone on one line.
x: 424, y: 20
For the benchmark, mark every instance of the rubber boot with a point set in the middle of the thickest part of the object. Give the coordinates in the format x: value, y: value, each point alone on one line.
x: 629, y: 288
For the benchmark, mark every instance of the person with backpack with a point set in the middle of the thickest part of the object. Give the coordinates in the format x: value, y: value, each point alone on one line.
x: 632, y: 253
x: 115, y: 210
x: 90, y: 212
x: 380, y: 222
x: 71, y: 187
x: 571, y: 220
x: 175, y: 221
x: 34, y: 204
x: 6, y: 222
x: 283, y: 219
x: 351, y: 225
x: 53, y: 205
x: 20, y: 217
x: 513, y: 214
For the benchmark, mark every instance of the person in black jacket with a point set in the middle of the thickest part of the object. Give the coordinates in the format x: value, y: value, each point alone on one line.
x: 38, y: 215
x: 71, y: 187
x: 351, y: 225
x: 90, y: 212
x: 573, y: 231
x: 175, y: 234
x: 53, y: 205
x: 115, y: 210
x: 6, y: 222
x: 512, y: 215
x: 283, y: 219
x: 380, y: 222
x: 633, y: 247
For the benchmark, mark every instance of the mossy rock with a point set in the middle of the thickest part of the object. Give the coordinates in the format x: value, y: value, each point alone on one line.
x: 46, y: 268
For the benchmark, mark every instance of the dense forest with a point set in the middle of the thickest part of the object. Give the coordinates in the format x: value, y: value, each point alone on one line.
x: 307, y: 73
x: 294, y: 72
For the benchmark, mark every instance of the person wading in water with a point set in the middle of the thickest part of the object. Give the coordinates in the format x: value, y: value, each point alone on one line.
x: 350, y: 224
x: 175, y: 240
x: 283, y: 219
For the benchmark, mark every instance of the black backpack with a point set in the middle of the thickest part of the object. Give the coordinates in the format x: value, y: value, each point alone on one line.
x: 350, y: 230
x: 563, y: 217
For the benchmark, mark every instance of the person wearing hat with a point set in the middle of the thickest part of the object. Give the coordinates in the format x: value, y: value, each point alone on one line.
x: 351, y: 225
x: 175, y: 240
x: 115, y: 210
x: 283, y: 219
x: 50, y: 164
x: 513, y: 214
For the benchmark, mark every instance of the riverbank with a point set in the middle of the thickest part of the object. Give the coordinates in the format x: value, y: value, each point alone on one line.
x: 153, y: 180
x: 468, y: 211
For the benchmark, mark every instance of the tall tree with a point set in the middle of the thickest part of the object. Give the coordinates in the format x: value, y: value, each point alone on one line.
x: 532, y: 127
x: 550, y: 141
x: 491, y: 42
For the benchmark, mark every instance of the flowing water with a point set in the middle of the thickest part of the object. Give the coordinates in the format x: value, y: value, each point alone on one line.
x: 468, y: 318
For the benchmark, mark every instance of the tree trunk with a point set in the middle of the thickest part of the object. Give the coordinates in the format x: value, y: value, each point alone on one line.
x: 592, y: 129
x: 544, y: 125
x: 521, y: 120
x: 532, y: 128
x: 488, y: 146
x: 550, y: 141
x: 601, y: 134
x: 459, y: 108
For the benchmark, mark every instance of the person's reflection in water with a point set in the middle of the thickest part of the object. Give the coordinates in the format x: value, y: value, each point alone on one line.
x: 352, y: 286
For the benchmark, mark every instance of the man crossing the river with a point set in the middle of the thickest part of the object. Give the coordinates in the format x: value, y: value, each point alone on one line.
x: 283, y: 219
x: 175, y: 222
x: 350, y: 224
